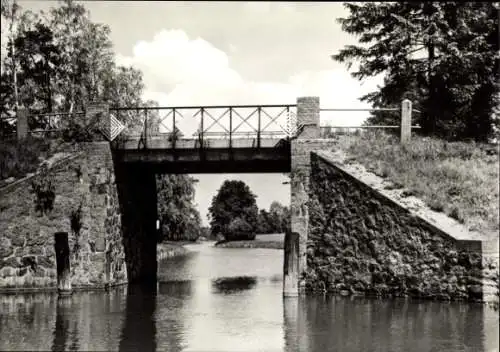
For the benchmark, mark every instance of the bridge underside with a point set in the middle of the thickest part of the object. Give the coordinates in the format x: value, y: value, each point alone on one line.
x: 216, y: 156
x: 137, y: 164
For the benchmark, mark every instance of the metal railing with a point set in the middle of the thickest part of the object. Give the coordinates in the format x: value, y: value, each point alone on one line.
x: 51, y: 124
x: 330, y: 130
x: 209, y: 122
x: 45, y: 124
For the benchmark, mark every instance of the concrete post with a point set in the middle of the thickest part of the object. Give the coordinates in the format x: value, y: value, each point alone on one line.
x: 62, y: 262
x: 22, y: 123
x: 291, y: 265
x: 308, y: 117
x: 97, y: 118
x: 406, y: 106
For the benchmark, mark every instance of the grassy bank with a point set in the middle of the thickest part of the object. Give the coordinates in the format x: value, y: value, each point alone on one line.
x: 250, y: 244
x: 170, y: 249
x: 460, y: 179
x: 18, y: 158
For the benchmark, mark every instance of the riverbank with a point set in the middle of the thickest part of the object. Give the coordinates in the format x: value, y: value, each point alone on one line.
x: 251, y: 244
x: 459, y: 179
x: 170, y: 249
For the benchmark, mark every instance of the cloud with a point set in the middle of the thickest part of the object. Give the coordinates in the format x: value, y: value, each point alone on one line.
x: 181, y: 71
x: 259, y: 7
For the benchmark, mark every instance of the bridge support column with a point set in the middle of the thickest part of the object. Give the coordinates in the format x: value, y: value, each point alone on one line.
x: 137, y: 195
x: 308, y: 118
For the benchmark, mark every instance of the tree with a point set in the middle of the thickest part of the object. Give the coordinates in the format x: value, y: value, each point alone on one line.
x: 38, y: 58
x: 179, y: 218
x: 123, y: 87
x: 71, y: 24
x: 10, y: 11
x: 62, y: 61
x: 276, y: 220
x: 233, y: 200
x: 264, y: 225
x: 443, y: 56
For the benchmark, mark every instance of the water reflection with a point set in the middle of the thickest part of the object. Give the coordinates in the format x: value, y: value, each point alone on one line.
x: 178, y: 289
x: 139, y: 328
x: 229, y: 285
x: 206, y: 304
x: 62, y: 326
x: 357, y: 324
x: 294, y: 324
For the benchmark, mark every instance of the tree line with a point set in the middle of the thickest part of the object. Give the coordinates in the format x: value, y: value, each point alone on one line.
x: 59, y: 60
x: 443, y: 56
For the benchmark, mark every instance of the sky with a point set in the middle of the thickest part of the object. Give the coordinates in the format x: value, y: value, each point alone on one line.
x: 227, y: 53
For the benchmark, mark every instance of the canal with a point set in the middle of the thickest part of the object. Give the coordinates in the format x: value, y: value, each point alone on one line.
x: 226, y: 299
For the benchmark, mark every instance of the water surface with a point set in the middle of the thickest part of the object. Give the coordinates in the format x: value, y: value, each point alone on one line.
x: 229, y: 299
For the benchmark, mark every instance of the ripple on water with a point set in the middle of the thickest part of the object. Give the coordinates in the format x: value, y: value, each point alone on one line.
x: 231, y: 300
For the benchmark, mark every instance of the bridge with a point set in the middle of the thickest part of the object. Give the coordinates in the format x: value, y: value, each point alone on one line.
x: 228, y: 139
x: 105, y: 207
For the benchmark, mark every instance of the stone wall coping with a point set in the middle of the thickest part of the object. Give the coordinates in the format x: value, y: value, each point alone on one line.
x: 440, y: 222
x: 54, y: 161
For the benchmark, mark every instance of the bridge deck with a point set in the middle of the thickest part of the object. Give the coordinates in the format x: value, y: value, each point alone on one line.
x: 217, y: 155
x: 163, y: 142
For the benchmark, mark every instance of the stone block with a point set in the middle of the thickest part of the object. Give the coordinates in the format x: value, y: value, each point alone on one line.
x: 18, y: 240
x: 100, y: 244
x: 5, y: 247
x: 46, y: 261
x: 12, y: 262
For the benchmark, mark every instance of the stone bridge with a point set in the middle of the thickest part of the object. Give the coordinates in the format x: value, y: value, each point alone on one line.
x: 109, y: 191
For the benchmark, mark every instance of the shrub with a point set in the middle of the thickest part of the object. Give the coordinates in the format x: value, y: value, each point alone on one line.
x: 239, y: 230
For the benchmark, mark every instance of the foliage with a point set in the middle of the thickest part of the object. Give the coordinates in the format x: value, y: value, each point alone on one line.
x: 239, y: 229
x: 59, y: 61
x: 75, y: 219
x: 179, y: 218
x: 233, y: 200
x: 17, y: 158
x: 276, y: 220
x: 44, y: 190
x: 459, y: 178
x: 441, y: 55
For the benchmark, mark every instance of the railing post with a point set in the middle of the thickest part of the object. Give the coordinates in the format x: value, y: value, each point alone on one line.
x: 175, y: 135
x: 406, y: 107
x: 146, y: 128
x: 22, y: 123
x: 202, y: 128
x: 259, y: 109
x: 230, y: 127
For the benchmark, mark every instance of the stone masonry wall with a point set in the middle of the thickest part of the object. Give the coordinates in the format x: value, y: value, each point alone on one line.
x: 300, y: 170
x: 362, y: 242
x: 86, y: 182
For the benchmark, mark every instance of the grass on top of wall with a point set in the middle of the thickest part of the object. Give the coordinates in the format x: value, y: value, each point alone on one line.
x: 460, y: 179
x: 18, y: 158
